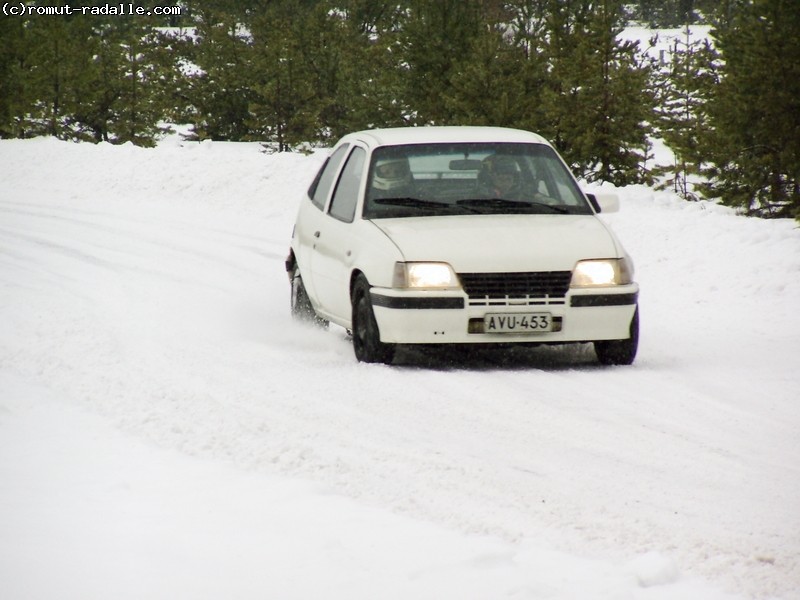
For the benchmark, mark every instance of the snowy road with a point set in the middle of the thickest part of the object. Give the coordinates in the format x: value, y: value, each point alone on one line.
x: 147, y: 287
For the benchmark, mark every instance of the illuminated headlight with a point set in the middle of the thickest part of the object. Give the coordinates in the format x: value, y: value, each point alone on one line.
x: 424, y: 275
x: 595, y: 273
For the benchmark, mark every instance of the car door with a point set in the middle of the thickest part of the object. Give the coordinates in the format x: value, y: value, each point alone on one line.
x: 311, y: 217
x: 332, y: 255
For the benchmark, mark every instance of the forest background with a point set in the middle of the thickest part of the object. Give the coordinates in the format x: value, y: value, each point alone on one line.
x: 295, y: 74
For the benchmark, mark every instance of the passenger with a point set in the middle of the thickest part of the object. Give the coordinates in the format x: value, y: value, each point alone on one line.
x: 392, y: 179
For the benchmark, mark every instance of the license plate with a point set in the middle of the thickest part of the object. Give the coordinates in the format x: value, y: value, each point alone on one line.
x: 518, y: 323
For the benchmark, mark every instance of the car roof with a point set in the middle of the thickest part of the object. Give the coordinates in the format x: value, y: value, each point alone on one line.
x: 425, y: 135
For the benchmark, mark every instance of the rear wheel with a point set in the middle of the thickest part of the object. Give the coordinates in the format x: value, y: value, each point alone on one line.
x: 366, y: 335
x: 302, y: 310
x: 620, y: 352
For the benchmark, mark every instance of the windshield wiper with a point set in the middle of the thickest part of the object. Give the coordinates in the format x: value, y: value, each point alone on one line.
x: 507, y: 205
x: 418, y: 203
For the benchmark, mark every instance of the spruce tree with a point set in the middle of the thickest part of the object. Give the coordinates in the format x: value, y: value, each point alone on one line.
x: 754, y: 111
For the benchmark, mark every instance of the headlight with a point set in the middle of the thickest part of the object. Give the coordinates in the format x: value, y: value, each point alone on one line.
x: 424, y: 275
x: 605, y: 272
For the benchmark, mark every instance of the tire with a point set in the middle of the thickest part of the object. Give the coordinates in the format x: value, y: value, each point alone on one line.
x: 366, y: 335
x: 302, y: 310
x: 620, y: 352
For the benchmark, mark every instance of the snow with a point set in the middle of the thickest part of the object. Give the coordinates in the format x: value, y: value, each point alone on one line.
x: 660, y: 43
x: 167, y: 431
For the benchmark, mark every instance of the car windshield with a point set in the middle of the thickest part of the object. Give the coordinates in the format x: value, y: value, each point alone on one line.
x: 418, y: 180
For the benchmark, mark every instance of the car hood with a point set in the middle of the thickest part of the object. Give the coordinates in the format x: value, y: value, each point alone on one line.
x: 502, y: 243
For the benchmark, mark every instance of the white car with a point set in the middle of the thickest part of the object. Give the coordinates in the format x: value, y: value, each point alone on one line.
x: 459, y: 235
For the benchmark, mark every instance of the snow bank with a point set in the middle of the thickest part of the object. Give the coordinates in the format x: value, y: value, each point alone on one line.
x: 166, y: 430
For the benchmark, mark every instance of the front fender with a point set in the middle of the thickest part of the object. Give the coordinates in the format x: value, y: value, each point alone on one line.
x: 375, y: 256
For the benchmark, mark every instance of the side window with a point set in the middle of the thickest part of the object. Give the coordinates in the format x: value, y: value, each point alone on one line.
x: 343, y: 205
x: 318, y: 192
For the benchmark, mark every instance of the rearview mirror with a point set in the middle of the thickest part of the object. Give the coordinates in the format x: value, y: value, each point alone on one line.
x: 465, y: 164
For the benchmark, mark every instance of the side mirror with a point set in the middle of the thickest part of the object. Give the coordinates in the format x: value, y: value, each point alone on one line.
x: 606, y: 203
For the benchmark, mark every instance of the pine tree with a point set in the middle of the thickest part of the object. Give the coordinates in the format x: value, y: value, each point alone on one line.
x: 57, y: 55
x: 365, y: 81
x: 667, y: 14
x: 284, y: 104
x: 218, y: 65
x: 15, y: 98
x: 324, y: 69
x: 597, y: 100
x: 438, y: 35
x: 754, y: 148
x: 85, y: 77
x: 662, y: 14
x: 488, y: 85
x: 124, y: 97
x: 683, y: 88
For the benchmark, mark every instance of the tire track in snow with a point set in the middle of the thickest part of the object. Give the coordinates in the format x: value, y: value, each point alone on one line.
x: 159, y: 240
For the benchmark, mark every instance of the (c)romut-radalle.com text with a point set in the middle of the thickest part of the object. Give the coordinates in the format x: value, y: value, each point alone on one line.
x: 121, y: 9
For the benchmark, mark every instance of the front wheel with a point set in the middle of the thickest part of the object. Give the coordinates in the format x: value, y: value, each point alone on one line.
x: 366, y: 335
x: 620, y: 352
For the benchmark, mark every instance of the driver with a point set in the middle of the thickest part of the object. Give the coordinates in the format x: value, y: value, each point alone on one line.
x: 504, y: 177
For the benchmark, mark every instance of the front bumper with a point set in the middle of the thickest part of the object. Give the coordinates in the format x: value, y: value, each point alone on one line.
x: 583, y: 315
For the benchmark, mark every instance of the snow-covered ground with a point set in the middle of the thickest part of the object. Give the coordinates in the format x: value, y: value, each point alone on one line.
x: 166, y: 430
x: 659, y: 44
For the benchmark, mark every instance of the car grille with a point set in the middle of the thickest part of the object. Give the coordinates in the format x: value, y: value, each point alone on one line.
x: 499, y: 289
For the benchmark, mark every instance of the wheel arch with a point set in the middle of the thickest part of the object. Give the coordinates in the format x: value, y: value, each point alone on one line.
x: 354, y: 275
x: 290, y: 263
